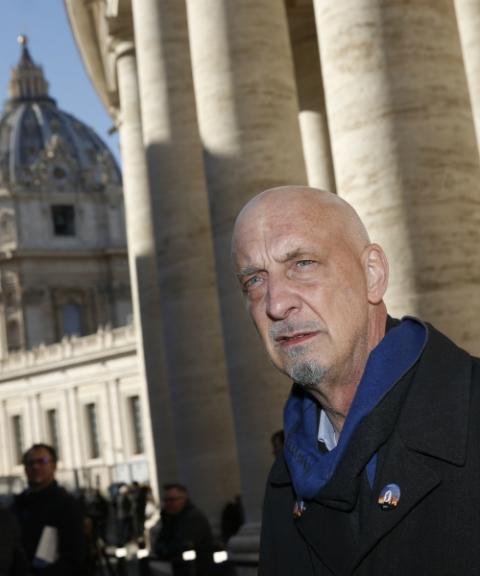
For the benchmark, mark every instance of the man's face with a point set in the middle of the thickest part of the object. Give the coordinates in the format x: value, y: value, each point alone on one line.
x: 305, y: 285
x: 39, y: 468
x: 174, y: 501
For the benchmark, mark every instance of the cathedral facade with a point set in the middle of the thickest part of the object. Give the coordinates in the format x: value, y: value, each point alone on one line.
x: 68, y: 370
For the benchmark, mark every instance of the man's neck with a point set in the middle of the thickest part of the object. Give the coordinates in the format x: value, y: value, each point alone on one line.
x: 39, y: 487
x: 338, y: 397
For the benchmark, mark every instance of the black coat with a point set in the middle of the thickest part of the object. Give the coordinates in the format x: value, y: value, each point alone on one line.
x: 426, y: 433
x: 53, y: 506
x: 188, y: 530
x: 12, y: 557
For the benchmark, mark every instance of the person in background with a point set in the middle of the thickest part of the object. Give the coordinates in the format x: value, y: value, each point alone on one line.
x: 278, y: 441
x: 12, y: 557
x: 184, y: 527
x: 232, y: 518
x: 51, y: 520
x: 140, y: 494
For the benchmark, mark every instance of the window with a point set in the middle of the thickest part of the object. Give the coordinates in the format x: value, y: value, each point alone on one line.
x: 18, y: 440
x: 72, y: 320
x: 53, y: 431
x: 137, y: 428
x: 63, y: 218
x: 13, y: 336
x: 93, y: 435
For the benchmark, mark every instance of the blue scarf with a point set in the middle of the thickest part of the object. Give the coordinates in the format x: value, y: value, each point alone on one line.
x: 310, y: 468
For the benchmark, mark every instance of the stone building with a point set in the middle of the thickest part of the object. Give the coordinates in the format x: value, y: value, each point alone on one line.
x: 68, y: 369
x: 216, y: 100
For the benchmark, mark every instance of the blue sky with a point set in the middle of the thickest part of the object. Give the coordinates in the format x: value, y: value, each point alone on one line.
x: 52, y: 45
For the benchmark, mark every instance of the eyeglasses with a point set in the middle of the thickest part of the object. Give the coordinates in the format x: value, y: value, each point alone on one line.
x: 173, y: 498
x: 31, y: 461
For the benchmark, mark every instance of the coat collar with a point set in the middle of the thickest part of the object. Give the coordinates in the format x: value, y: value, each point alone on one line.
x: 434, y: 419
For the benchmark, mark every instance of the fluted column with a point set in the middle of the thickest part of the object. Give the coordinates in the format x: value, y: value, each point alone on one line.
x: 468, y: 18
x: 405, y: 153
x: 312, y: 113
x: 248, y: 117
x: 192, y: 328
x: 143, y: 269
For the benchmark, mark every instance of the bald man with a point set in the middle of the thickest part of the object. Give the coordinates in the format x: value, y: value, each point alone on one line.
x: 380, y: 474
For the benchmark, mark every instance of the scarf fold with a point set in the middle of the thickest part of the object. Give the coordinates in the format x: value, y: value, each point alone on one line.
x: 310, y: 468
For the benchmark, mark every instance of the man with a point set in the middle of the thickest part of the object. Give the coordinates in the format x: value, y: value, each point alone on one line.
x: 184, y: 527
x: 51, y: 520
x: 277, y: 440
x: 12, y: 558
x: 380, y: 471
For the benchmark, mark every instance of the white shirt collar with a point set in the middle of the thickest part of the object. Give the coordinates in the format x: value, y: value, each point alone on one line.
x: 326, y: 432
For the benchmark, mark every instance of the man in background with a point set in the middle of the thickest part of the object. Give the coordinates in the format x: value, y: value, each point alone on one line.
x: 51, y: 521
x: 12, y: 558
x: 184, y: 528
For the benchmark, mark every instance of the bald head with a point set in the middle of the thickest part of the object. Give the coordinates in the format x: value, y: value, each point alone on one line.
x: 312, y: 203
x: 313, y: 284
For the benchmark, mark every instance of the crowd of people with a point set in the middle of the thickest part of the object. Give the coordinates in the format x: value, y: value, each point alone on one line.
x: 49, y: 531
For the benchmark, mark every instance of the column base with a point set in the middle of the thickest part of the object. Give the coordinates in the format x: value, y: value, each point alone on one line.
x: 243, y: 550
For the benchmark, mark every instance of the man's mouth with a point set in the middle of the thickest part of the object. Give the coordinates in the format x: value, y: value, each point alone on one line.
x: 294, y: 339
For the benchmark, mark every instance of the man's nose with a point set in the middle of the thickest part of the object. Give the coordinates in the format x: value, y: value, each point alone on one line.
x: 282, y: 298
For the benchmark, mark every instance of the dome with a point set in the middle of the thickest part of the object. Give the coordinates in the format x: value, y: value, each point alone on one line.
x: 40, y: 144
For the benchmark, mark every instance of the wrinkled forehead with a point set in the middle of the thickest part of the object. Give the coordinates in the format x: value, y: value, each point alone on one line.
x: 304, y: 215
x: 284, y: 226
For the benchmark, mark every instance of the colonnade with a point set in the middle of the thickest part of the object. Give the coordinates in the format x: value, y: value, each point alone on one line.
x: 369, y: 99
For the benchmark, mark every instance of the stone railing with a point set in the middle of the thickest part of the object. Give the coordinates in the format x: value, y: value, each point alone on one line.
x: 70, y: 350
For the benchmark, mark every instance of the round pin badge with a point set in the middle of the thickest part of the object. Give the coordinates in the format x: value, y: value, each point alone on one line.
x: 389, y: 497
x: 299, y: 508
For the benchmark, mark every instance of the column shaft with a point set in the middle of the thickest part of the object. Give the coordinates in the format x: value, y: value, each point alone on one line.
x: 143, y: 269
x: 405, y: 152
x: 313, y: 115
x: 468, y: 18
x: 192, y: 329
x: 248, y: 117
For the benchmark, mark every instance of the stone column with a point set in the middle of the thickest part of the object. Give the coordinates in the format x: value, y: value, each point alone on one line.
x: 248, y: 117
x: 3, y: 332
x: 468, y: 19
x: 313, y: 115
x: 192, y: 328
x: 405, y: 151
x: 143, y: 269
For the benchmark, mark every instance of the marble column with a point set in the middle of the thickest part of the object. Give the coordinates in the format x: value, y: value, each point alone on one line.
x: 468, y: 19
x: 192, y: 329
x: 248, y: 117
x: 3, y: 333
x: 143, y: 269
x: 313, y: 114
x: 405, y: 152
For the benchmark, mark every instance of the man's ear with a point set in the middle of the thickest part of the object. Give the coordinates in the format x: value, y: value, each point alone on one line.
x: 376, y: 266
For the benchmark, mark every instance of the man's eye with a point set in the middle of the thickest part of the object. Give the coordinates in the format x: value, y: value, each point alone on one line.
x: 305, y: 263
x: 252, y: 282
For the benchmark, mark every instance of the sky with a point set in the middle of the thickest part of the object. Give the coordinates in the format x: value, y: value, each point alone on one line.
x: 51, y: 44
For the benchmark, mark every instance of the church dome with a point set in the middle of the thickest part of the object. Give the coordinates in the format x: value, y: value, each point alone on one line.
x: 41, y: 145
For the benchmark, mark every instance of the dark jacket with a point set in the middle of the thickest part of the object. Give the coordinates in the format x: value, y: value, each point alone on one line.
x: 426, y: 433
x: 188, y: 530
x: 12, y: 557
x: 53, y: 506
